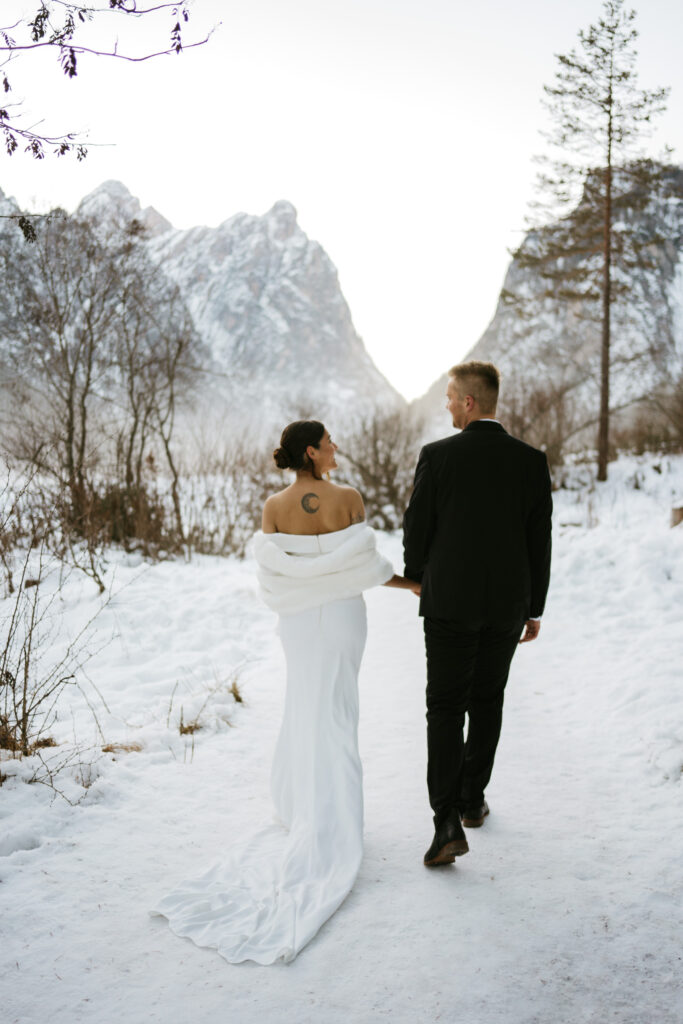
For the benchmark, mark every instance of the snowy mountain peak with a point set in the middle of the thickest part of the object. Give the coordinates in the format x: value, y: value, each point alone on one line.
x: 112, y: 200
x: 266, y: 301
x: 281, y: 220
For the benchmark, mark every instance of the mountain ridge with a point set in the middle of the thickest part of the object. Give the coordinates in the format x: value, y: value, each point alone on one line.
x: 267, y: 301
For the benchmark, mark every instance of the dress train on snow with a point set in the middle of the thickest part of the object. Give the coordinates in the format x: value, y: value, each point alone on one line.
x: 271, y: 894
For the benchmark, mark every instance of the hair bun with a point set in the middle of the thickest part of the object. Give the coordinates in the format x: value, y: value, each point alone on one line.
x: 294, y: 441
x: 282, y: 459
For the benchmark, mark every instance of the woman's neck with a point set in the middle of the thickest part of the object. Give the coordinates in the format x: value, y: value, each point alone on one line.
x: 305, y: 476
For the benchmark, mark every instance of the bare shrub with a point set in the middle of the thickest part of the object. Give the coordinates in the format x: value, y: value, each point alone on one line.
x: 31, y: 681
x: 39, y: 514
x: 668, y: 402
x: 542, y: 414
x: 11, y: 525
x: 75, y: 762
x: 646, y: 429
x: 223, y: 499
x: 122, y: 514
x: 379, y: 460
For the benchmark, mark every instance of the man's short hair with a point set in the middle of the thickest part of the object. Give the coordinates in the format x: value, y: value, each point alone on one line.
x: 480, y: 380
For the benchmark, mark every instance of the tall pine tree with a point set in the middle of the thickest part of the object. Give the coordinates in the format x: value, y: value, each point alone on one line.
x: 586, y: 239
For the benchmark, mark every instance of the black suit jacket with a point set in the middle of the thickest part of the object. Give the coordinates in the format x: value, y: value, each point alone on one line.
x: 477, y: 528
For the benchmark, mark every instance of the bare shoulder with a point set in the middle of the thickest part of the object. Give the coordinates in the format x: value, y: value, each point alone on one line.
x: 354, y: 502
x: 272, y: 501
x: 346, y: 489
x: 270, y: 509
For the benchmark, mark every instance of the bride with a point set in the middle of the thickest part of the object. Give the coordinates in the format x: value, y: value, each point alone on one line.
x: 315, y: 556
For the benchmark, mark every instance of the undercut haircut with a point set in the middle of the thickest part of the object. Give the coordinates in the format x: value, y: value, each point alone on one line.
x: 480, y: 380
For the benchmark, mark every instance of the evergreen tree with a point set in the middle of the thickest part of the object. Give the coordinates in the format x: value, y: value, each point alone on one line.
x: 588, y: 236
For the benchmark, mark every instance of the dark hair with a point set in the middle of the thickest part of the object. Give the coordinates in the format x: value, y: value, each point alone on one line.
x: 295, y: 439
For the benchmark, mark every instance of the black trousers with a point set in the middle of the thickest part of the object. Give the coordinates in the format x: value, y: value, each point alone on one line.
x: 466, y: 675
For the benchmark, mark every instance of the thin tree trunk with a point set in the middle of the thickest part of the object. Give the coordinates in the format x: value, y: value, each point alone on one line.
x: 174, y: 487
x: 130, y: 447
x: 603, y: 428
x: 144, y: 430
x: 83, y: 420
x: 166, y: 432
x: 70, y: 446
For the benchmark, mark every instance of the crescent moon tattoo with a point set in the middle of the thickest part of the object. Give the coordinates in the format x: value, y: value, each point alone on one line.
x: 307, y: 502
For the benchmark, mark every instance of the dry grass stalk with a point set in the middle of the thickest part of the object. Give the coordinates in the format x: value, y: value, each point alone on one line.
x: 221, y: 686
x: 188, y: 728
x: 121, y: 748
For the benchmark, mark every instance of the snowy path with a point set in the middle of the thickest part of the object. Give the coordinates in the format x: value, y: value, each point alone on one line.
x: 567, y: 909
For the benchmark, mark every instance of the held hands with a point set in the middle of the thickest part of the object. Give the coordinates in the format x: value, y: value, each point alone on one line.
x: 532, y: 628
x: 403, y: 583
x: 409, y: 584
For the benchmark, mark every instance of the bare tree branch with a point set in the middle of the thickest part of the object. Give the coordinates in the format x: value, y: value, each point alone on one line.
x: 42, y: 32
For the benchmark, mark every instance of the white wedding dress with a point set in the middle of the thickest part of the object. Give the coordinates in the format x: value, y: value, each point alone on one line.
x: 270, y: 895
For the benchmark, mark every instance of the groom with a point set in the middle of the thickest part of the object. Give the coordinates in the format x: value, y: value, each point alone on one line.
x: 477, y: 540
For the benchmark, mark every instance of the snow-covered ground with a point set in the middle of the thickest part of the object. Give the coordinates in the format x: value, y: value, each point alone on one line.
x: 568, y: 907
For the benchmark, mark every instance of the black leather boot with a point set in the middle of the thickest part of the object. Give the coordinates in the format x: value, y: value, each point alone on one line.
x: 449, y: 842
x: 473, y: 817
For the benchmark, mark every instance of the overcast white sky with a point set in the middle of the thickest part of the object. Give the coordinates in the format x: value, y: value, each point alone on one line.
x: 402, y: 130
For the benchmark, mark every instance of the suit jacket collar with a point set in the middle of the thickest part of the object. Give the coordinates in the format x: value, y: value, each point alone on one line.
x: 485, y: 425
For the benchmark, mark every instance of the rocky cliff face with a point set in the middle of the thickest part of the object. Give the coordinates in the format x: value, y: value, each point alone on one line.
x: 267, y: 301
x: 553, y: 356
